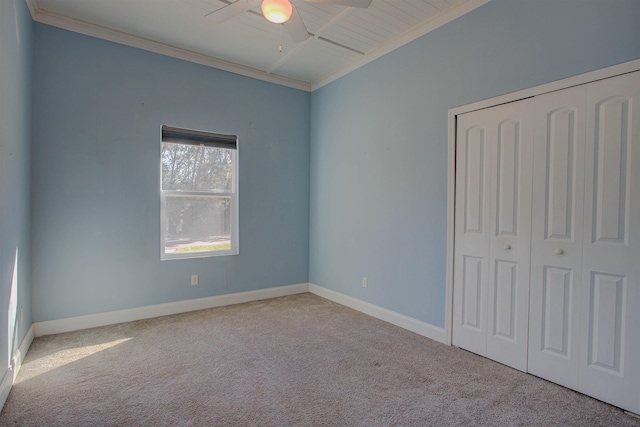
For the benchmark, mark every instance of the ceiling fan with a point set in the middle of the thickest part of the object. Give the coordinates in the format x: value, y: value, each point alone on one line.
x: 279, y: 12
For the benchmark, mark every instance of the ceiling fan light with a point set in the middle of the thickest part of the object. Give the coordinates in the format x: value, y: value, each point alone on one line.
x: 277, y: 11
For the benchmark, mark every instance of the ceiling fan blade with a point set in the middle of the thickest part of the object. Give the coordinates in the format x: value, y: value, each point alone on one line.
x: 350, y: 3
x: 296, y: 28
x: 229, y: 11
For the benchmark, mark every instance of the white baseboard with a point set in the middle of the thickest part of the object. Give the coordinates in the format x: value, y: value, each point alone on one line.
x: 5, y: 386
x: 20, y: 354
x: 405, y: 322
x: 16, y: 363
x: 109, y: 318
x: 112, y: 317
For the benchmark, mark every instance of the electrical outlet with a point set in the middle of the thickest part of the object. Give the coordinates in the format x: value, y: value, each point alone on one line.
x: 194, y: 279
x: 365, y: 282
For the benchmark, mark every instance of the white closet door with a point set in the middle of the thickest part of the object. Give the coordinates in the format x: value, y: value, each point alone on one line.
x: 610, y: 318
x: 510, y: 213
x: 556, y: 236
x: 493, y: 208
x: 548, y: 189
x: 472, y: 230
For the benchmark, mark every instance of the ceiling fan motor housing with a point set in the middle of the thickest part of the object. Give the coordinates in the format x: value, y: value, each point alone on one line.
x: 277, y: 11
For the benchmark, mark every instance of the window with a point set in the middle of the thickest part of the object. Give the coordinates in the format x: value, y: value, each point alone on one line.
x: 198, y: 194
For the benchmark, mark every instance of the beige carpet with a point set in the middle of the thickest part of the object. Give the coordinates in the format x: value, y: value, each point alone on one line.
x: 293, y: 361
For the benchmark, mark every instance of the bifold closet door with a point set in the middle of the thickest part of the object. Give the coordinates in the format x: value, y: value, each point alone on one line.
x: 556, y: 235
x: 610, y: 317
x: 585, y: 246
x: 547, y: 252
x: 492, y: 223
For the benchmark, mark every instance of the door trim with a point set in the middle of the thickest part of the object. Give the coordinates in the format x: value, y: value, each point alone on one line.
x: 604, y: 73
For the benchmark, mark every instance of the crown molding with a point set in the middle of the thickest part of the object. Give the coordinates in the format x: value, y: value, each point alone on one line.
x: 45, y: 17
x: 444, y: 17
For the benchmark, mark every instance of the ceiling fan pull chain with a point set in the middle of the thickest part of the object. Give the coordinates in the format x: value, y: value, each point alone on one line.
x: 280, y: 38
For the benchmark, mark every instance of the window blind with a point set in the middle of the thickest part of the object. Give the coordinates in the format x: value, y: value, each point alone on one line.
x: 198, y: 137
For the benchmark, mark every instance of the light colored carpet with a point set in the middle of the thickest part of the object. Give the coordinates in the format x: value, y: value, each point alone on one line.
x: 292, y: 361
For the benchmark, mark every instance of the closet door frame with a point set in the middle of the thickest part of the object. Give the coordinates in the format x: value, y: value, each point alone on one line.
x: 604, y: 73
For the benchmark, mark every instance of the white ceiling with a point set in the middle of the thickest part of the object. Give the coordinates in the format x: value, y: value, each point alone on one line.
x: 342, y: 38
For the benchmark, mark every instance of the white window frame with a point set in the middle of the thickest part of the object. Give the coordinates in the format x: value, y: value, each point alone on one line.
x: 196, y: 137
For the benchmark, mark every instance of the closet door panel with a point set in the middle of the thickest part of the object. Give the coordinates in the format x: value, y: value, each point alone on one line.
x: 472, y: 291
x: 556, y: 243
x: 471, y: 269
x: 492, y: 223
x: 508, y: 293
x: 610, y: 342
x: 557, y: 293
x: 609, y: 191
x: 606, y: 322
x: 508, y: 176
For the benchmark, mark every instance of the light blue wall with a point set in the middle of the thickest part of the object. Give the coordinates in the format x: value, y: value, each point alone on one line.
x: 15, y: 139
x: 98, y: 108
x: 379, y: 137
x: 378, y: 171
